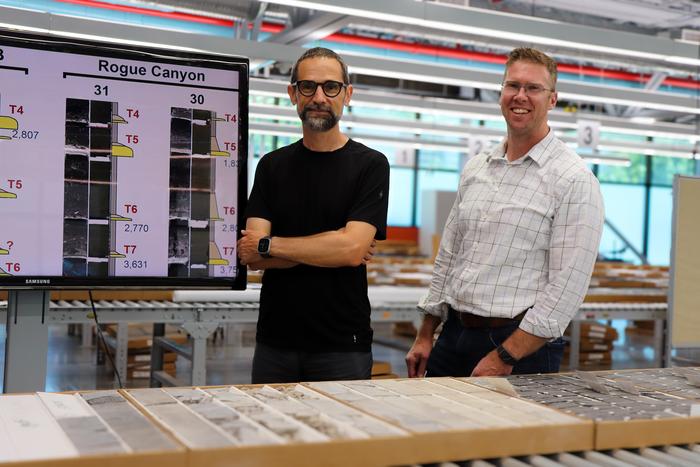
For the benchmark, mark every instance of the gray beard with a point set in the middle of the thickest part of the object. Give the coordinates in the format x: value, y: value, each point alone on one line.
x: 318, y: 123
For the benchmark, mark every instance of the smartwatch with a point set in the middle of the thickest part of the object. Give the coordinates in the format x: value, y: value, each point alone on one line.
x: 264, y: 247
x: 506, y: 357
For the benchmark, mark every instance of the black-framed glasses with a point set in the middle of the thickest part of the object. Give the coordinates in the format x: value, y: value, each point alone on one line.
x: 531, y: 89
x: 308, y: 88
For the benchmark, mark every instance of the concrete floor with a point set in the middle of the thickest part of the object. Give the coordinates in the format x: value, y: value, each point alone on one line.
x: 72, y: 366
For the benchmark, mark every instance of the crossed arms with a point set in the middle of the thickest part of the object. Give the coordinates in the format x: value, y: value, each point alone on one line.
x: 351, y: 245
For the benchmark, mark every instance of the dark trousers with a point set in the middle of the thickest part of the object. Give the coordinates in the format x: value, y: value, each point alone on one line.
x: 458, y: 350
x: 276, y: 365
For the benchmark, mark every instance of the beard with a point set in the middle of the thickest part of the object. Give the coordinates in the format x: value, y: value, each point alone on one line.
x: 321, y: 122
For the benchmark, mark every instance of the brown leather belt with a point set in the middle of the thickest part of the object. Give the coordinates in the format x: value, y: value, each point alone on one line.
x: 471, y: 321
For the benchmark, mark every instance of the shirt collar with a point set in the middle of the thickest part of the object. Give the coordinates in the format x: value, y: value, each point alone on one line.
x: 537, y: 153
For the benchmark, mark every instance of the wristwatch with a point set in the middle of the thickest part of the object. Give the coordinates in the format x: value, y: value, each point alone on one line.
x: 264, y: 247
x: 506, y: 357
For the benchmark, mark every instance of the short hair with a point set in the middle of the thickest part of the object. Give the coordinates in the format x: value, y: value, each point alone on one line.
x: 324, y: 53
x: 529, y: 54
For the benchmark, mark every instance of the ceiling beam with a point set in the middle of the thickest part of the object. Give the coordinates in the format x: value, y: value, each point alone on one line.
x: 651, y: 85
x: 318, y: 27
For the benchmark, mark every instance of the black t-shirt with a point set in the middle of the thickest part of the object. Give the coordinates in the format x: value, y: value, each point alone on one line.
x: 302, y: 192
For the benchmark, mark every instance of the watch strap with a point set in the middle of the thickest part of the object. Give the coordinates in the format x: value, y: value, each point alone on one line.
x: 265, y: 253
x: 505, y: 356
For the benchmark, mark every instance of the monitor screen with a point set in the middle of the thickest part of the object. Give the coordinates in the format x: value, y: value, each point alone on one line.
x: 120, y: 166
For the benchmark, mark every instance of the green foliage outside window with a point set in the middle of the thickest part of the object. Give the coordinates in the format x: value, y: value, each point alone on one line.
x: 664, y: 168
x: 636, y: 173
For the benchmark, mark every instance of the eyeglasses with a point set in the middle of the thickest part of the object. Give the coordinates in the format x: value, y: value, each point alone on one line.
x: 308, y: 88
x: 531, y: 89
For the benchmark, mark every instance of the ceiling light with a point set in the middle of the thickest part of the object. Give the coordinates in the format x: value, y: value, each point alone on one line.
x: 643, y: 120
x: 629, y: 102
x: 604, y: 160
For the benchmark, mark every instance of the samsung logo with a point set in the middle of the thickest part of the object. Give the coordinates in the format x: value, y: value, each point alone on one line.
x: 37, y: 281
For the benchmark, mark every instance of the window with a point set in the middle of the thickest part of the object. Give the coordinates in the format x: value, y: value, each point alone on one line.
x: 624, y: 209
x: 401, y: 197
x: 438, y: 180
x: 663, y: 169
x: 660, y: 218
x: 635, y: 173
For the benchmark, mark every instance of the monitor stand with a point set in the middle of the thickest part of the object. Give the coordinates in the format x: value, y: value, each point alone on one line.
x: 27, y: 341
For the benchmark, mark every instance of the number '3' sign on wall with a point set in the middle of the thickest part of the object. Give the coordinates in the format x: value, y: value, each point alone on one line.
x: 588, y: 134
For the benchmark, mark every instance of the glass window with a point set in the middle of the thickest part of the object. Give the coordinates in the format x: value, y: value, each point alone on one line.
x: 624, y: 209
x: 635, y: 173
x: 444, y: 119
x: 268, y: 100
x: 660, y: 217
x: 399, y: 156
x: 401, y: 188
x: 382, y: 112
x: 439, y: 160
x: 664, y: 168
x: 438, y: 180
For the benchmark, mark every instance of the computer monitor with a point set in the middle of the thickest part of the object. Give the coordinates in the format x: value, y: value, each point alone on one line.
x: 120, y: 166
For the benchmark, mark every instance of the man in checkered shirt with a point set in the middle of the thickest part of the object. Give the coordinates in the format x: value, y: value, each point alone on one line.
x: 518, y: 247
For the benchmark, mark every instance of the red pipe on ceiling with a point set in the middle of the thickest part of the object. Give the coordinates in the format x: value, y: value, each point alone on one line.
x: 176, y: 15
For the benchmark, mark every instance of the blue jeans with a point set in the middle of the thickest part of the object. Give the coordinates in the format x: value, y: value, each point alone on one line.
x: 458, y: 350
x: 276, y: 365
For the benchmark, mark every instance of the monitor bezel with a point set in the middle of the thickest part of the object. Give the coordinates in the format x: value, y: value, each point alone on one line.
x: 63, y: 44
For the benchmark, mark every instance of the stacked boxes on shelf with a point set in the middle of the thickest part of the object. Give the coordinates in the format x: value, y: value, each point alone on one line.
x: 596, y: 345
x: 139, y: 350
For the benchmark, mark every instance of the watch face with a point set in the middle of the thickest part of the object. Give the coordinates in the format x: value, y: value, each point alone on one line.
x: 264, y: 245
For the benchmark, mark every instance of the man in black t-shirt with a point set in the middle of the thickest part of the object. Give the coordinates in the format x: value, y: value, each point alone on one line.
x: 314, y: 213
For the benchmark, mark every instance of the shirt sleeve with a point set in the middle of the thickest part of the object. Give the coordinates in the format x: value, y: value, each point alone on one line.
x: 435, y: 301
x: 259, y: 202
x: 576, y: 230
x: 372, y: 200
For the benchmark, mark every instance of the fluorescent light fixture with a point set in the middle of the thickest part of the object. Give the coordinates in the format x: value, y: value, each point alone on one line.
x: 360, y: 102
x: 24, y: 28
x: 608, y: 146
x: 604, y: 160
x: 424, y: 78
x: 277, y: 132
x: 92, y: 37
x: 683, y: 60
x: 112, y: 40
x: 269, y: 93
x: 415, y: 143
x: 643, y: 120
x: 644, y: 132
x: 629, y: 102
x: 409, y: 144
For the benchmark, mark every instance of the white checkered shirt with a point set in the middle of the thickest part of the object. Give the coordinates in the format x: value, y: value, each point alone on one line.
x: 521, y: 235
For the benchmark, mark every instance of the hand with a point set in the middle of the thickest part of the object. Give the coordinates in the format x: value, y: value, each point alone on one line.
x: 248, y: 246
x: 492, y: 365
x: 370, y: 252
x: 417, y: 357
